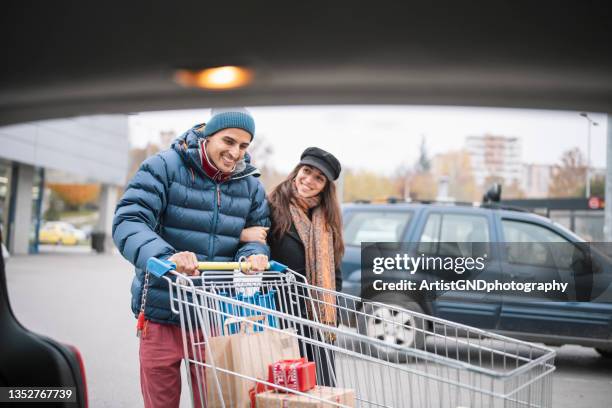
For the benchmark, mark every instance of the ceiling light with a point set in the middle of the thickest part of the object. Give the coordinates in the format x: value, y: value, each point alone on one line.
x: 226, y: 77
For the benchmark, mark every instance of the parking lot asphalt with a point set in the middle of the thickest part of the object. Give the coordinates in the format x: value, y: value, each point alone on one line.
x: 83, y: 299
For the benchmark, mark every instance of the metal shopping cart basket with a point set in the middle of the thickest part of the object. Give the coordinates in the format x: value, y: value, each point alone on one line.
x: 234, y: 326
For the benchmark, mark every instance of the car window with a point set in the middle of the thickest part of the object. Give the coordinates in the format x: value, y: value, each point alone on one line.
x: 376, y: 226
x: 428, y: 243
x: 445, y: 234
x: 532, y: 244
x: 520, y: 231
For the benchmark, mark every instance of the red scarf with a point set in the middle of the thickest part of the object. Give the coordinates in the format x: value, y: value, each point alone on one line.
x: 209, y: 168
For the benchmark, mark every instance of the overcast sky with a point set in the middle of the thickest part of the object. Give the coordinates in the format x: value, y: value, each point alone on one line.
x: 383, y: 137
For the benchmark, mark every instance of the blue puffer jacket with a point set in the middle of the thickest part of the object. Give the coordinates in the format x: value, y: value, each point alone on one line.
x: 171, y: 205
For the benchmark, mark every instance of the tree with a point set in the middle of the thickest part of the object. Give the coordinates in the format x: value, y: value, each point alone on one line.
x: 261, y: 151
x: 367, y: 185
x: 270, y: 178
x: 598, y: 187
x: 568, y: 177
x: 423, y: 186
x: 512, y: 190
x: 410, y: 184
x: 423, y: 164
x: 401, y: 181
x: 76, y: 195
x: 56, y: 205
x: 419, y: 184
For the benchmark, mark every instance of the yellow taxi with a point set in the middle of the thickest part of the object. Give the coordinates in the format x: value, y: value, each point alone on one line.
x: 57, y: 233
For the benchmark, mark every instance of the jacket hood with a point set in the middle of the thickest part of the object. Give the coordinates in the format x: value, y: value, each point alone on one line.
x: 188, y: 147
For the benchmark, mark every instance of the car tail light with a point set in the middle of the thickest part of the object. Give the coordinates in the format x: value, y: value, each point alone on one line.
x: 79, y: 358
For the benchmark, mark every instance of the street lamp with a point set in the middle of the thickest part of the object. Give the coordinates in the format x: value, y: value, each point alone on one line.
x: 590, y: 123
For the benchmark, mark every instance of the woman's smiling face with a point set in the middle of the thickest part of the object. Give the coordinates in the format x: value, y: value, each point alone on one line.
x: 309, y: 181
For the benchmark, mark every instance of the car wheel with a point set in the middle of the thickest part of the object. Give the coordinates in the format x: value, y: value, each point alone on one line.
x: 604, y: 353
x: 393, y: 327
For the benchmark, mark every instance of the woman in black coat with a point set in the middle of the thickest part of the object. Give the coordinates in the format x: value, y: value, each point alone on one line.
x: 306, y: 235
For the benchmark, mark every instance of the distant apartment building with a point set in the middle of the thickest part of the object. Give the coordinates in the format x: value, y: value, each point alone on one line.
x: 535, y: 179
x: 495, y: 156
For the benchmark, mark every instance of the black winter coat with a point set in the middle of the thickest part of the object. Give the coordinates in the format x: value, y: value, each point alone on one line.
x: 289, y: 250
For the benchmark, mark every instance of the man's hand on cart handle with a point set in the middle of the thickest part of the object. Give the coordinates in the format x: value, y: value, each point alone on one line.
x: 160, y: 267
x: 186, y: 262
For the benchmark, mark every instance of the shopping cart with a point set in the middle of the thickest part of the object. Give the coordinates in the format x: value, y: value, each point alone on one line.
x: 441, y: 364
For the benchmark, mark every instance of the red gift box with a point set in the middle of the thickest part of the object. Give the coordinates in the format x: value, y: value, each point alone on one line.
x: 299, y: 375
x: 258, y: 388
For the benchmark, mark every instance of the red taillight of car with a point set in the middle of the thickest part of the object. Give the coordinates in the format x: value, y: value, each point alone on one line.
x: 77, y: 353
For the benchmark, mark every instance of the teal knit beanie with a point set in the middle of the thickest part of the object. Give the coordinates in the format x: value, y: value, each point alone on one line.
x: 230, y: 118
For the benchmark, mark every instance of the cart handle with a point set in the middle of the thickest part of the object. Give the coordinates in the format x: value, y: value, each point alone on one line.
x: 160, y: 267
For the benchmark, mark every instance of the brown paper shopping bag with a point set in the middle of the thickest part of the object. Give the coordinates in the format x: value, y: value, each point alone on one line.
x: 219, y: 350
x: 246, y: 353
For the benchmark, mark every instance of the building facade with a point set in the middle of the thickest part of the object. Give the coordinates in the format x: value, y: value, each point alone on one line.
x: 494, y: 156
x: 535, y: 179
x: 94, y: 148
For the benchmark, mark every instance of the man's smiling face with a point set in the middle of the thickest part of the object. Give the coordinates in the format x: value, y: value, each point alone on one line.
x: 226, y: 147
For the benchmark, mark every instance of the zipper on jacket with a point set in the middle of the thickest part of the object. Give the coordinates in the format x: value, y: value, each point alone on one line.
x: 246, y: 175
x: 213, y: 231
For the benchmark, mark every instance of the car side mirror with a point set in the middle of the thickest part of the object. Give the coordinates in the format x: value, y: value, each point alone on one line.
x: 581, y: 263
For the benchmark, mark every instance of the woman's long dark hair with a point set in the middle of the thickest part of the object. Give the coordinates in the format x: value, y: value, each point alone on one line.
x: 280, y: 200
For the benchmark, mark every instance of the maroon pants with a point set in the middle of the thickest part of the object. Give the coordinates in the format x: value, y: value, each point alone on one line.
x: 161, y: 353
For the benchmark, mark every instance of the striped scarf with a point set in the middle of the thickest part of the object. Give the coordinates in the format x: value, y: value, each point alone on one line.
x: 319, y: 249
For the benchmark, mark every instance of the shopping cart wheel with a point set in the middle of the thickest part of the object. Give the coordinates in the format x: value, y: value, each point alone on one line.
x: 604, y: 353
x: 396, y: 325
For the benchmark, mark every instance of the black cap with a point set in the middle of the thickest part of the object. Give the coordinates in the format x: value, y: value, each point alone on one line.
x: 322, y: 160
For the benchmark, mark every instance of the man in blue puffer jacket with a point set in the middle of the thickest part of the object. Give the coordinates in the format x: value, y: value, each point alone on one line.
x: 187, y: 204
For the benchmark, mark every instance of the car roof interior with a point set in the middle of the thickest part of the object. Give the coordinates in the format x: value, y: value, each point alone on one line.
x: 72, y: 58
